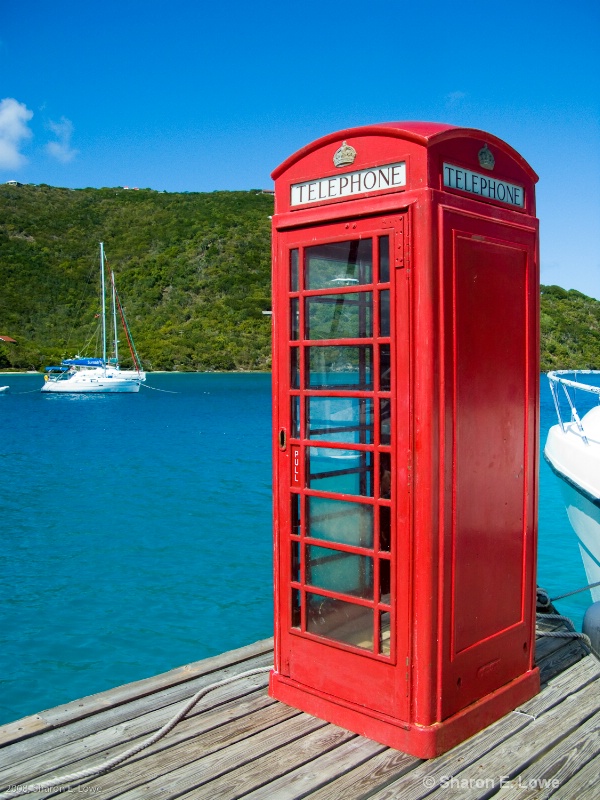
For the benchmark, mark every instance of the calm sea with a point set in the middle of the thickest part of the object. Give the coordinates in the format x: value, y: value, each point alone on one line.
x: 135, y: 532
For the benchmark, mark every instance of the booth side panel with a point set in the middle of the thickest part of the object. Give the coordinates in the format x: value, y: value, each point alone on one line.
x: 490, y: 531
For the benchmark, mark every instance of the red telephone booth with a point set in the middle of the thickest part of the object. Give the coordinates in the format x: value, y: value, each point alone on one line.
x: 405, y: 374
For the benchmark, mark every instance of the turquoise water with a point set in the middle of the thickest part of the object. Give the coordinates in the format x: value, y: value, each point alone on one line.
x: 135, y: 532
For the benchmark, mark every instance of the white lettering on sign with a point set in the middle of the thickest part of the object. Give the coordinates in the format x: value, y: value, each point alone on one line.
x: 375, y: 179
x: 483, y: 185
x: 295, y: 466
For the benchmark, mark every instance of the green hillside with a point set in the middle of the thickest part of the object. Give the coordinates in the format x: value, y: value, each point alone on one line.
x: 570, y: 330
x: 193, y: 272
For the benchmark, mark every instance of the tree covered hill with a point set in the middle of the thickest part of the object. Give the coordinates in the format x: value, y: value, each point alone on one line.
x: 193, y: 272
x: 570, y: 329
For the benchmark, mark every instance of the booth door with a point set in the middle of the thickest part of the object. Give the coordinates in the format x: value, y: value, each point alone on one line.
x: 342, y: 397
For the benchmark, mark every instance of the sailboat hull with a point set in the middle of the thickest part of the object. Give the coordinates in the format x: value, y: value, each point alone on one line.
x: 96, y: 382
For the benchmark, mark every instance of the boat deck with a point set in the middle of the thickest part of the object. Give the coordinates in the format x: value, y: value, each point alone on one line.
x: 238, y: 742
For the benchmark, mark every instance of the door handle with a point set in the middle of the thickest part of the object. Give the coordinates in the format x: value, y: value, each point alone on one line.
x: 282, y: 439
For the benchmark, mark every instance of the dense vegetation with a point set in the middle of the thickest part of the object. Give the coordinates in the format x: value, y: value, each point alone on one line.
x: 193, y: 272
x: 570, y: 329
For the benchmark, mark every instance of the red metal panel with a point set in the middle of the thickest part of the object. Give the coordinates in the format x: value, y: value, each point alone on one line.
x: 490, y: 419
x: 493, y: 371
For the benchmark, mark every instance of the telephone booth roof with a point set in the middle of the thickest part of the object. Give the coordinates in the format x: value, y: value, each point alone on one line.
x: 421, y: 133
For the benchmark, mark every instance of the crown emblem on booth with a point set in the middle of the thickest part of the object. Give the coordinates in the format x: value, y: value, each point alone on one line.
x: 486, y: 158
x: 344, y: 156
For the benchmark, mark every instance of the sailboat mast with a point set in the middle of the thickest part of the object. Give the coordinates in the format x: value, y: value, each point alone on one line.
x: 114, y: 316
x: 103, y: 303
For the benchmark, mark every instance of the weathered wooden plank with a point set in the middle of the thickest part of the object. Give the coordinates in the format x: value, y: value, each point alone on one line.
x: 560, y: 657
x: 428, y: 775
x: 546, y: 645
x: 318, y: 772
x: 584, y: 785
x: 113, y: 716
x: 364, y: 778
x: 512, y: 756
x: 568, y: 682
x: 164, y: 776
x: 557, y: 766
x: 265, y: 769
x: 199, y: 744
x: 22, y: 728
x: 98, y: 747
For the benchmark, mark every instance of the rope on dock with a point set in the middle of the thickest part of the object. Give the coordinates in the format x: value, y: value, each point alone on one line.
x: 565, y: 635
x: 562, y: 634
x: 111, y: 763
x: 545, y: 611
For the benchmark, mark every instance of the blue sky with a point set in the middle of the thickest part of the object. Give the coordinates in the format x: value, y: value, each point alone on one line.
x: 192, y: 96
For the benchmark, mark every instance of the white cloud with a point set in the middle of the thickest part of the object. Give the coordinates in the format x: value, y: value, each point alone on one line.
x: 14, y: 131
x: 61, y: 149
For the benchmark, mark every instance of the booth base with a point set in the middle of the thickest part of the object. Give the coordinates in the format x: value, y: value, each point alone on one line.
x: 422, y: 741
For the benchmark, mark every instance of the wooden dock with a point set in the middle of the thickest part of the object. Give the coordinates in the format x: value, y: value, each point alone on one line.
x: 238, y: 742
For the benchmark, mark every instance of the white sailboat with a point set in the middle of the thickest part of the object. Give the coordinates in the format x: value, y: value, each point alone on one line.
x: 102, y: 374
x: 573, y: 452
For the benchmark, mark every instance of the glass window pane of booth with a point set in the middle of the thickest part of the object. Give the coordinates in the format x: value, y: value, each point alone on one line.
x: 384, y: 313
x: 385, y: 421
x: 295, y: 417
x: 347, y: 420
x: 339, y: 316
x: 336, y: 619
x: 340, y: 367
x: 338, y: 571
x: 384, y: 259
x: 340, y: 521
x: 295, y: 368
x: 294, y: 260
x: 339, y: 264
x: 385, y: 371
x: 340, y: 471
x: 384, y: 633
x: 294, y: 318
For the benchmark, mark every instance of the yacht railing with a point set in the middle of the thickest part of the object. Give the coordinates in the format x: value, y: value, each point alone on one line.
x: 557, y: 381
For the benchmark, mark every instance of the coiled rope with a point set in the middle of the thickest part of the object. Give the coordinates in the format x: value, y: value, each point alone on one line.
x: 111, y: 763
x: 544, y: 601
